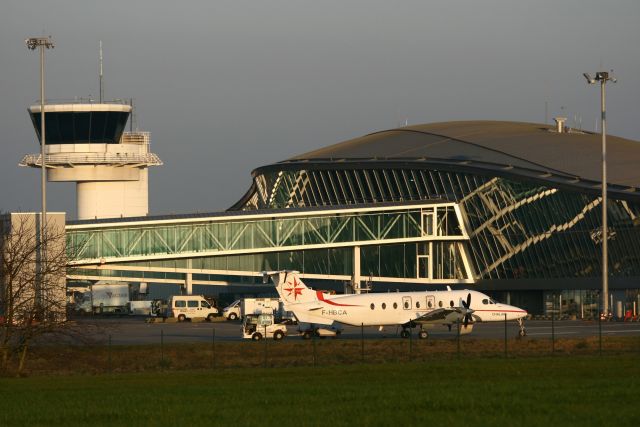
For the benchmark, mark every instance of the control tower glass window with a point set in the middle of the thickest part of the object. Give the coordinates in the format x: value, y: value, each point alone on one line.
x: 103, y: 127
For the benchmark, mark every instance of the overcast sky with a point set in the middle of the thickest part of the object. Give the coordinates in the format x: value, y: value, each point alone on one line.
x: 227, y: 86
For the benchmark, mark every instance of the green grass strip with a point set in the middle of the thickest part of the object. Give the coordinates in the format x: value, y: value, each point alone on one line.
x: 511, y: 392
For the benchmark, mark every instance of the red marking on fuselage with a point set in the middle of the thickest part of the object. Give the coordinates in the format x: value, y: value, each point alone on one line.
x: 320, y: 297
x: 502, y: 311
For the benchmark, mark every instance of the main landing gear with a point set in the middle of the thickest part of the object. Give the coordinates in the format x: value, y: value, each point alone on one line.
x: 422, y: 334
x: 522, y: 332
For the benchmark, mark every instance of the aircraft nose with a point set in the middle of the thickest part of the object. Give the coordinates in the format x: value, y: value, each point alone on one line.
x: 516, y: 312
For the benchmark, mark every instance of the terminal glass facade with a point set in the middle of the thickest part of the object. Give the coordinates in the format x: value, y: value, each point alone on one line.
x: 517, y: 230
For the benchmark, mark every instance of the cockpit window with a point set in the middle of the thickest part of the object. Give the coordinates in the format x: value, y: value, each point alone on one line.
x: 485, y: 301
x: 491, y: 301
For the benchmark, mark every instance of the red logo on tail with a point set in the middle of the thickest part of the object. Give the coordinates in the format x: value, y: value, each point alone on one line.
x: 295, y: 290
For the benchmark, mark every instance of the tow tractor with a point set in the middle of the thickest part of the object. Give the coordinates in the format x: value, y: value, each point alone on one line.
x: 259, y: 326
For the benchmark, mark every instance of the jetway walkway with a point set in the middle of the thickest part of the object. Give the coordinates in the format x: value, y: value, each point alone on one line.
x: 143, y: 244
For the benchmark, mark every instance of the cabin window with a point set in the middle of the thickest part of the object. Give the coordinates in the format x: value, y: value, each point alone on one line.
x: 406, y: 304
x: 372, y: 306
x: 417, y: 304
x: 439, y: 303
x: 429, y: 304
x: 395, y: 305
x: 451, y: 303
x: 384, y: 305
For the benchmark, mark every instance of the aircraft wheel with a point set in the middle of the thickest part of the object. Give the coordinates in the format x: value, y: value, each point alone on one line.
x: 522, y: 333
x: 404, y: 333
x: 233, y: 316
x: 423, y: 335
x: 278, y: 335
x: 257, y: 336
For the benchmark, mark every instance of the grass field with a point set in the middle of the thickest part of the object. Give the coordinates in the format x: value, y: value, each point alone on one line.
x: 561, y: 391
x: 65, y: 360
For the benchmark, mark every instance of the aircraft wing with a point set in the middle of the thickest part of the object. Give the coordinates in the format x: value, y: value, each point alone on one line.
x: 439, y: 314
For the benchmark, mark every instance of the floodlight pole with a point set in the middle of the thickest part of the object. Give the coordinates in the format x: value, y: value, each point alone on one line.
x: 32, y: 44
x: 605, y: 227
x: 603, y: 77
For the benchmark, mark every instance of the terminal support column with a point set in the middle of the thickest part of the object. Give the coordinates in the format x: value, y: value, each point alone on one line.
x: 355, y: 277
x: 188, y: 277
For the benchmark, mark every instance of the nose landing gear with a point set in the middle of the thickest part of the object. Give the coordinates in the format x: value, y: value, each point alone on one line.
x: 522, y: 332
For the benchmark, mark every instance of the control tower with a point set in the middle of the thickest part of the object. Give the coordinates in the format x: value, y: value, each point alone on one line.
x: 86, y: 144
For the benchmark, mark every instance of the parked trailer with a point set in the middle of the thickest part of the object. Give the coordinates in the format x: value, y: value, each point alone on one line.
x: 307, y: 330
x: 102, y: 297
x: 110, y: 297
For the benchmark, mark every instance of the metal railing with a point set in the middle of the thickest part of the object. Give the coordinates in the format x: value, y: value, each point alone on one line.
x: 148, y: 159
x: 82, y: 100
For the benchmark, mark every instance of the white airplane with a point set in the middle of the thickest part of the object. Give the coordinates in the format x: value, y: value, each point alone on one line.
x: 406, y: 309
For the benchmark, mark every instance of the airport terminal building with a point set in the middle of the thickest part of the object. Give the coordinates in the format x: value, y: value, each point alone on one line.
x: 512, y: 209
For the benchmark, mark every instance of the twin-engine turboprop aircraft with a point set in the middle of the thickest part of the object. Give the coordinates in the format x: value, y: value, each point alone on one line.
x: 406, y: 309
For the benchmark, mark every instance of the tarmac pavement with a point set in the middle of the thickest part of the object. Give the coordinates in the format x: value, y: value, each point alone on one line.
x: 137, y: 331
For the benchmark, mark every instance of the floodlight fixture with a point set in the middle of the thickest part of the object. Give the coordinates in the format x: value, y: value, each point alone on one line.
x: 35, y: 42
x: 590, y: 79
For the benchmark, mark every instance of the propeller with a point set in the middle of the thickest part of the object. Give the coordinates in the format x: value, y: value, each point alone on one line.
x: 467, y: 310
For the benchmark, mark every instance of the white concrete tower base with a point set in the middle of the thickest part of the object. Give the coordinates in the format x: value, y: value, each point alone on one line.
x: 113, y: 199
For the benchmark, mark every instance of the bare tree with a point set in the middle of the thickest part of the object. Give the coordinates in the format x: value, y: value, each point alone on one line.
x: 32, y: 285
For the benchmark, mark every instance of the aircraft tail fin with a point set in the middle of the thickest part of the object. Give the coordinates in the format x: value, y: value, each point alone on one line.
x: 291, y: 288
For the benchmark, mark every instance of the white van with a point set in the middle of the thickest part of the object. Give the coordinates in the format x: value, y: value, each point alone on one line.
x: 189, y: 306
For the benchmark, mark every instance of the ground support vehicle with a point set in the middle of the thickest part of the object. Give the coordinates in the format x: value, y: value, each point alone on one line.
x: 260, y: 326
x: 140, y: 308
x: 308, y: 330
x: 184, y: 307
x: 240, y: 308
x: 233, y: 311
x: 101, y: 297
x: 159, y: 307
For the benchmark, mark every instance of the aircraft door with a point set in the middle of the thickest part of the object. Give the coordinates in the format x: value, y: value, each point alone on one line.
x: 406, y: 303
x: 431, y: 301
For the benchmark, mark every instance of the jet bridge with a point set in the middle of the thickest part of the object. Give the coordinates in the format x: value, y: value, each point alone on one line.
x: 423, y: 242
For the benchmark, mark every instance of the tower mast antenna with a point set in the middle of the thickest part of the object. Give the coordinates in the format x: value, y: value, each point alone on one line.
x: 100, y: 75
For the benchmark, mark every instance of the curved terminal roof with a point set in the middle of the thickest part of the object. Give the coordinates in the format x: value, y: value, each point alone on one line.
x: 508, y: 148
